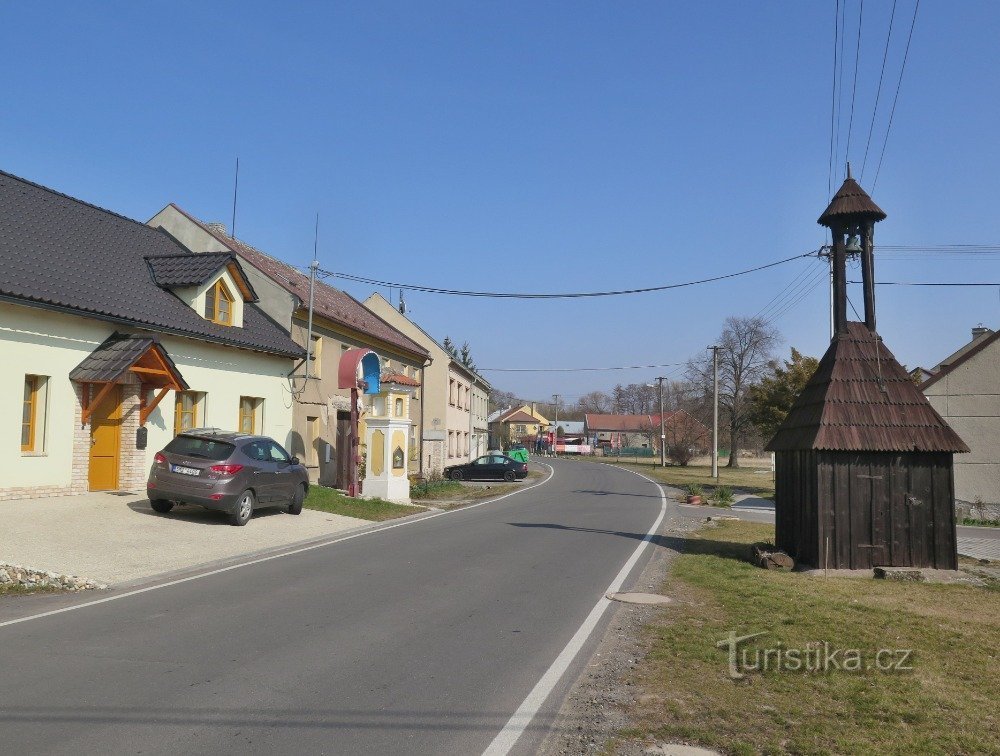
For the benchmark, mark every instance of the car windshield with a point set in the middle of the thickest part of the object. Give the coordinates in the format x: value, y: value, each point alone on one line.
x: 206, y: 448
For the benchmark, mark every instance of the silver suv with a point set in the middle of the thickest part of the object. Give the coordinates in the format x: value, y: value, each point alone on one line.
x: 229, y: 472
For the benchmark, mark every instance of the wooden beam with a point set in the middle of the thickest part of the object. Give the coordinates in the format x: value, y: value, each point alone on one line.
x: 88, y: 411
x: 151, y: 371
x: 145, y: 411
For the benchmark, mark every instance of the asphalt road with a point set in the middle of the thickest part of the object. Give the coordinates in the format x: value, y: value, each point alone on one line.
x: 417, y: 639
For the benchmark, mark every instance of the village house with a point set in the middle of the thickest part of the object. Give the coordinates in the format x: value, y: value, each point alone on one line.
x: 115, y: 337
x: 517, y: 424
x: 320, y: 408
x: 454, y: 425
x: 965, y: 390
x: 643, y: 431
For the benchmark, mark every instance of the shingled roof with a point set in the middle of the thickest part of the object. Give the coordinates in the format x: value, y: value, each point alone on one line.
x: 193, y: 269
x: 328, y: 302
x: 851, y: 199
x: 119, y: 352
x: 861, y: 399
x: 63, y: 254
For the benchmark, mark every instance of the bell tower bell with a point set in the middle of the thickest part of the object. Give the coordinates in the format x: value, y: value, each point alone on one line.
x: 851, y: 218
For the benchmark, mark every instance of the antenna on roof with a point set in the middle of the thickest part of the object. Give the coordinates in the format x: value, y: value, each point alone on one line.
x: 236, y: 186
x: 312, y: 290
x: 402, y: 303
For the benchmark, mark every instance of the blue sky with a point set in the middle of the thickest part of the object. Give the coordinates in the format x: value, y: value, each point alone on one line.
x: 524, y: 146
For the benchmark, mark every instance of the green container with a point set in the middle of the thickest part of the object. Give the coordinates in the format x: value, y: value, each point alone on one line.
x: 521, y: 455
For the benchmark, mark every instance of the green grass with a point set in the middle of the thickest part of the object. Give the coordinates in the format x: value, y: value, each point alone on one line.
x: 981, y: 523
x: 8, y: 589
x: 946, y: 704
x: 455, y: 491
x: 742, y: 480
x: 330, y: 500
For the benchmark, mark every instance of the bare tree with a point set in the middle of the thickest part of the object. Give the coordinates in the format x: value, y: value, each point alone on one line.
x: 595, y: 403
x: 746, y: 346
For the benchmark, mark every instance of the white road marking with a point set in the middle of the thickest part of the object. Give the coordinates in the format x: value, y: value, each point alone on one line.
x: 311, y: 547
x: 526, y: 712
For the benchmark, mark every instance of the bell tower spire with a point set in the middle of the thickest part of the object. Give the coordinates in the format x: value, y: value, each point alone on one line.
x: 851, y: 217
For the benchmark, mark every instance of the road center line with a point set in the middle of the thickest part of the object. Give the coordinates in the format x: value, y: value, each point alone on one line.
x: 526, y: 712
x: 272, y: 557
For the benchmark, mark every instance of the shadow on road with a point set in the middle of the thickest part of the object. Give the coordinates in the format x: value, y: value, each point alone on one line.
x: 725, y: 549
x: 615, y: 493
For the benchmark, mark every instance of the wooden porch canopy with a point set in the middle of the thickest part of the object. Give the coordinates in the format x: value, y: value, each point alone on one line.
x: 128, y: 358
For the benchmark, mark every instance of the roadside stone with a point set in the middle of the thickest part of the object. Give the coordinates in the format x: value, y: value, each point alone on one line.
x: 13, y: 574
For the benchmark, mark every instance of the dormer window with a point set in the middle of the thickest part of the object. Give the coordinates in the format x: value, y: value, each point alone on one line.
x: 219, y: 304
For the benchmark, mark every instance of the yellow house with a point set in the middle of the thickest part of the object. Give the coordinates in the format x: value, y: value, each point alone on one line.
x: 522, y: 422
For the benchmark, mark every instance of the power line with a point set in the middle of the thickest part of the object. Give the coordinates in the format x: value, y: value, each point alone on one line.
x: 840, y: 77
x: 821, y: 276
x: 788, y: 287
x: 578, y: 370
x: 878, y: 91
x: 899, y: 84
x: 931, y: 283
x: 854, y: 85
x: 574, y: 295
x: 769, y: 313
x: 833, y: 98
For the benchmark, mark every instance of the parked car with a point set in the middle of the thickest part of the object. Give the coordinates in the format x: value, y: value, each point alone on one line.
x: 489, y: 467
x: 229, y: 472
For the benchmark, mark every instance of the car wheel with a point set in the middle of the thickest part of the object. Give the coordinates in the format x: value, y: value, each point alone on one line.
x: 161, y: 505
x: 509, y: 476
x: 456, y: 474
x: 295, y: 506
x: 243, y: 510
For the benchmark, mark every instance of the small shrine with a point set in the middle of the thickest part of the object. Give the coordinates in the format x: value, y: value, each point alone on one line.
x: 387, y: 437
x: 863, y: 462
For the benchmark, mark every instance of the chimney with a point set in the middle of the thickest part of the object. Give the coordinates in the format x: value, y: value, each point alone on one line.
x: 218, y: 227
x: 979, y: 330
x: 532, y: 408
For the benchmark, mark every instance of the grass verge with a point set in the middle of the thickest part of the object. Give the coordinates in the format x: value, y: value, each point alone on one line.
x: 8, y: 589
x: 742, y: 480
x: 330, y: 500
x: 945, y: 704
x: 445, y: 491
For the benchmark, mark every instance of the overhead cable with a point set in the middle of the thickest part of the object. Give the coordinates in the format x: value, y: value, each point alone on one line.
x: 577, y: 370
x: 568, y: 295
x: 899, y: 84
x: 878, y: 90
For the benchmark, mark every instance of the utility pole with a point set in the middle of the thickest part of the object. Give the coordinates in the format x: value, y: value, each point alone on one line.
x: 555, y: 431
x: 715, y: 411
x: 663, y: 432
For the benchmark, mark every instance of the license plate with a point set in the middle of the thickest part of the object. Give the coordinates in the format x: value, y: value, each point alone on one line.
x: 185, y: 470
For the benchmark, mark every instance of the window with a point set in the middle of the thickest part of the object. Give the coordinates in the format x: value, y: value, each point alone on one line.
x: 33, y: 413
x: 316, y: 369
x: 186, y: 410
x: 451, y: 392
x: 219, y: 304
x: 250, y: 414
x: 519, y: 429
x: 451, y: 443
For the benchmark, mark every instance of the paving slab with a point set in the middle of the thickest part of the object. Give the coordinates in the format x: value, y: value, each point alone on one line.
x: 118, y: 539
x: 979, y: 548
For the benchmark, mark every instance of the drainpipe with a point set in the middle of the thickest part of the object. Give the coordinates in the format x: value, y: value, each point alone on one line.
x: 423, y: 415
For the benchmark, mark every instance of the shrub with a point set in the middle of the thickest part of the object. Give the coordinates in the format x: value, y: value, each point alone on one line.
x: 694, y: 489
x: 680, y: 454
x: 722, y: 497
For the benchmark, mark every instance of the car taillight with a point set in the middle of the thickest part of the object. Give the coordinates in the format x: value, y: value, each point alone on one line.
x: 159, y: 459
x: 226, y: 469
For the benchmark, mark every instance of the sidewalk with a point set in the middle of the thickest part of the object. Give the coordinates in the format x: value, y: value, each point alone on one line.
x: 116, y: 539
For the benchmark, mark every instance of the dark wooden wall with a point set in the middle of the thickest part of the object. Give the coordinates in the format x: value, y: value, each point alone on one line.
x: 858, y: 510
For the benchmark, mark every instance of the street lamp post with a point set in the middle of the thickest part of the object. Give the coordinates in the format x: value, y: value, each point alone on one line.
x: 715, y: 411
x: 663, y: 432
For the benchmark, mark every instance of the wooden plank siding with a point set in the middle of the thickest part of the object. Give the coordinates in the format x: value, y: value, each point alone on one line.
x: 876, y: 508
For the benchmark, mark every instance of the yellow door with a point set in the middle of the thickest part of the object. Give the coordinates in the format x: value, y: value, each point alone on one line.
x: 105, y: 441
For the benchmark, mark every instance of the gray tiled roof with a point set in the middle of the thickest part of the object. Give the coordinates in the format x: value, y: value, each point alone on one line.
x: 187, y: 269
x: 115, y: 355
x: 61, y: 253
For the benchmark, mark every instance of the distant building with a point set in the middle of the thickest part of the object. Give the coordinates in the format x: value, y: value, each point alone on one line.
x: 965, y: 390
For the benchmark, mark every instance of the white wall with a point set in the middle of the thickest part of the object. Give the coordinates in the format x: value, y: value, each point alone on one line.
x: 39, y: 342
x: 969, y: 399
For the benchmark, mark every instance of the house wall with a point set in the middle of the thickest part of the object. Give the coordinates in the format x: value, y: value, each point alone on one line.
x: 438, y: 405
x: 322, y: 398
x: 39, y: 342
x: 968, y: 398
x: 276, y: 301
